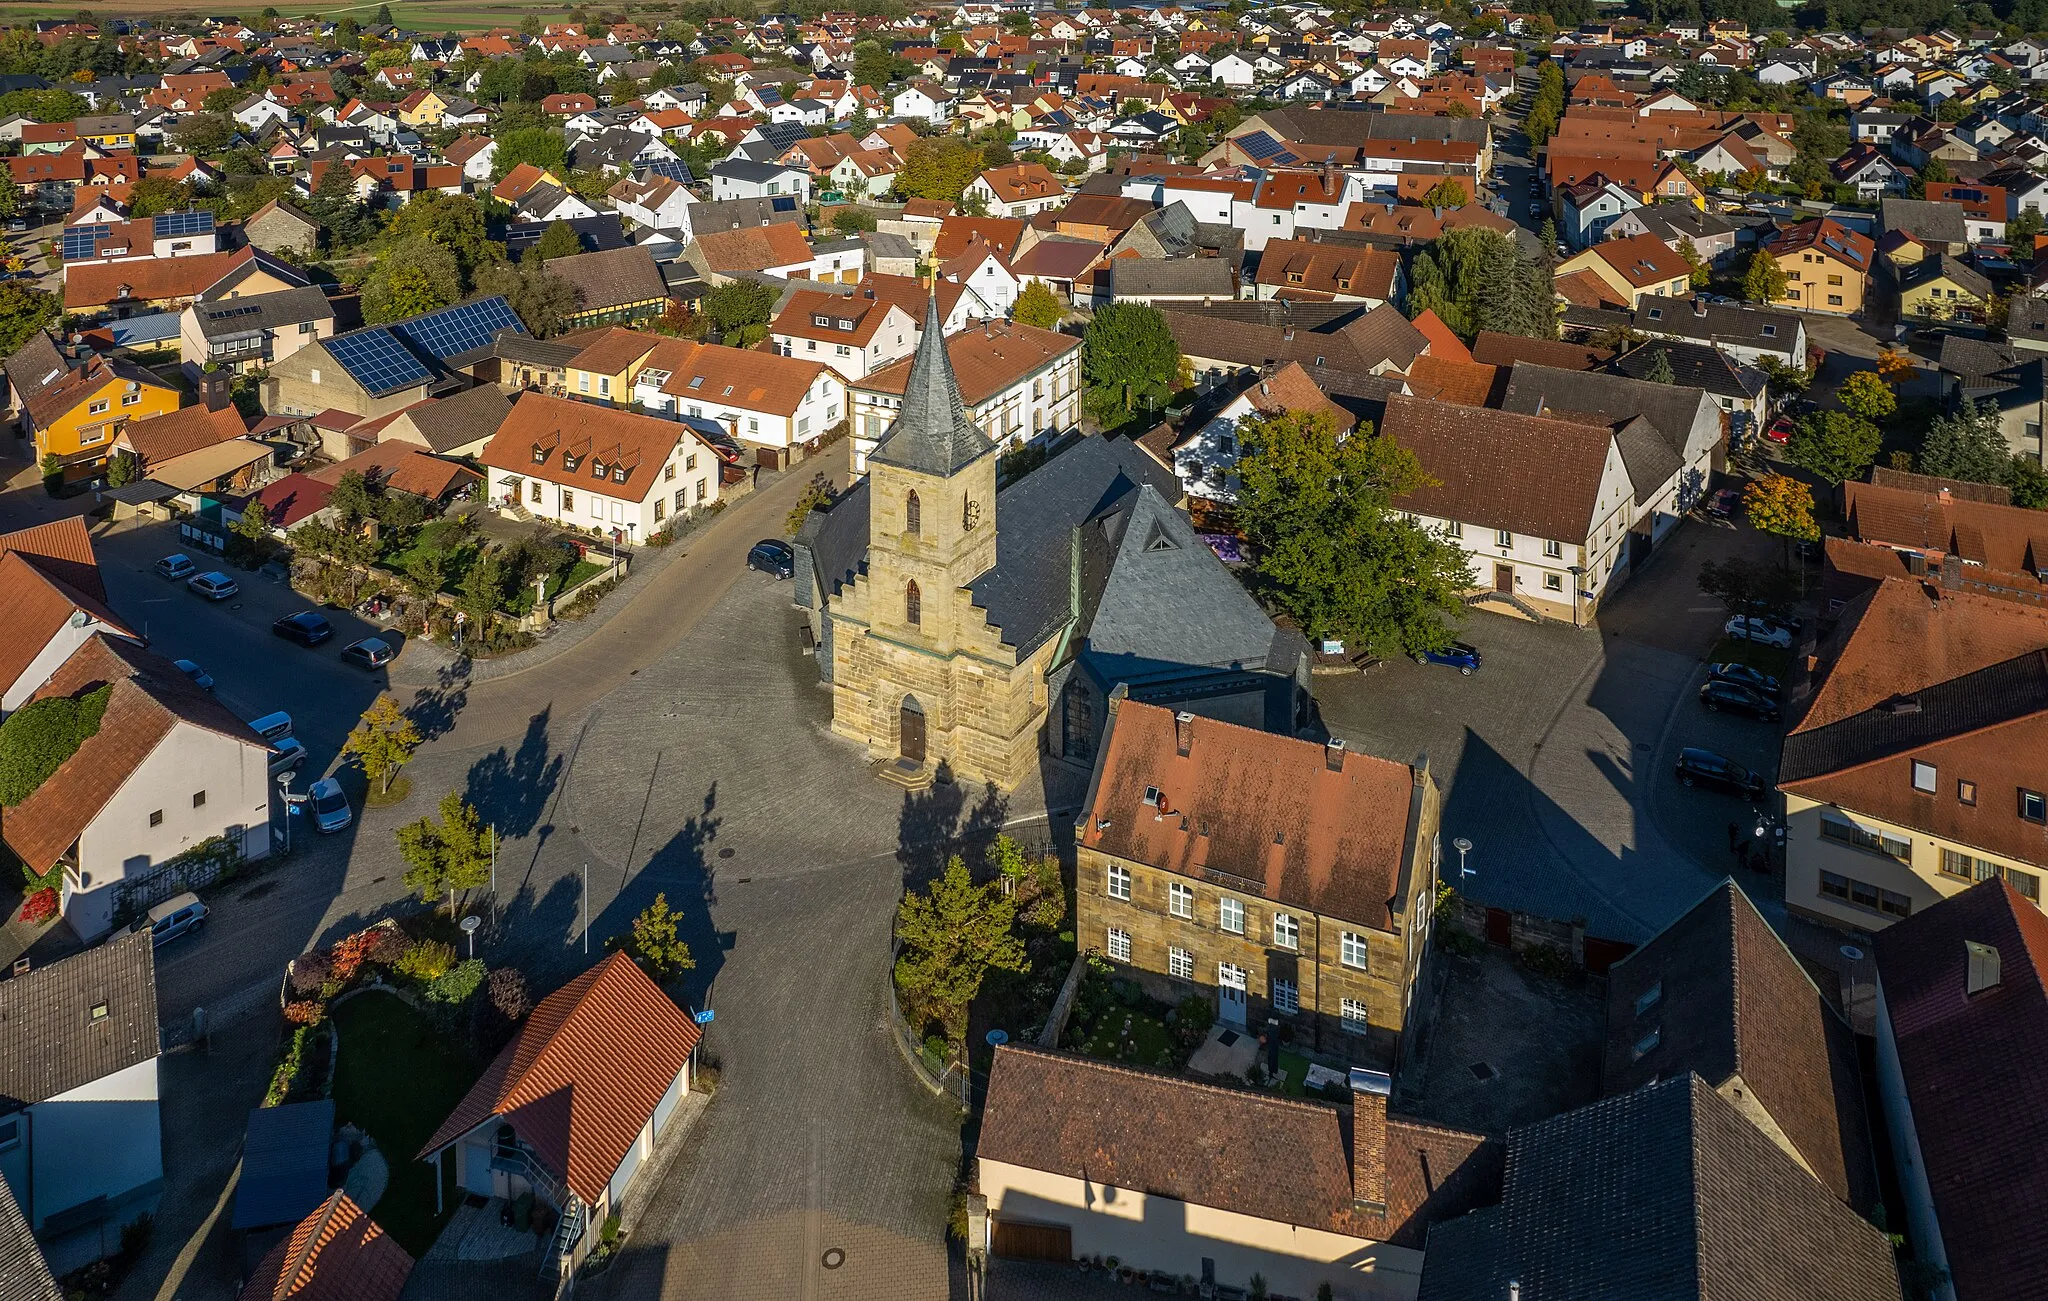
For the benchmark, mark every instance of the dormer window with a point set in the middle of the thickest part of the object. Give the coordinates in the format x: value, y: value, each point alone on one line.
x: 821, y: 319
x: 569, y: 463
x: 597, y: 468
x: 845, y: 324
x: 1656, y: 313
x: 540, y: 454
x: 618, y: 474
x: 1294, y: 277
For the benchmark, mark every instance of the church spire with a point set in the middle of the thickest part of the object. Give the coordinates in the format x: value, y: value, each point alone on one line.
x: 932, y: 434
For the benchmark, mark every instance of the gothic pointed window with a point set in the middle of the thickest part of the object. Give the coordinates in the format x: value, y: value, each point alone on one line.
x: 911, y: 603
x: 913, y: 517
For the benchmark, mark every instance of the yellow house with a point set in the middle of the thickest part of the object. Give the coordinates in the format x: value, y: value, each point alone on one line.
x: 424, y: 108
x: 1635, y: 268
x: 112, y: 131
x: 606, y: 368
x: 76, y: 416
x: 1914, y: 775
x: 1826, y: 265
x: 1940, y: 288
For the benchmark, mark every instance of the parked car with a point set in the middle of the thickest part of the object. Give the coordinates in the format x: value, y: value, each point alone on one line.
x: 328, y: 804
x: 272, y: 727
x: 370, y: 652
x: 286, y: 754
x: 1723, y: 505
x: 181, y: 914
x: 307, y: 628
x: 1465, y: 659
x: 772, y: 556
x: 213, y: 585
x: 1717, y: 695
x: 1755, y: 679
x: 1761, y: 629
x: 200, y: 677
x: 176, y: 566
x: 1698, y: 767
x: 1779, y: 430
x: 1535, y: 209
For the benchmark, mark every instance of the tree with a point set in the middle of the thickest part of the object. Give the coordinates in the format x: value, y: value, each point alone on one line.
x: 1475, y: 279
x: 125, y: 467
x: 1659, y: 371
x: 353, y: 499
x: 938, y: 167
x: 543, y: 300
x: 483, y: 589
x: 1700, y: 276
x: 1788, y: 379
x: 953, y: 935
x: 2020, y: 231
x: 1447, y: 193
x: 205, y: 134
x: 1038, y: 306
x: 1894, y: 366
x: 1781, y: 505
x: 153, y: 194
x: 1866, y: 394
x: 1764, y: 281
x: 383, y: 741
x: 1128, y: 353
x: 1329, y: 545
x: 1968, y: 444
x: 558, y: 240
x: 413, y: 276
x: 2028, y: 482
x: 848, y: 219
x: 1836, y: 445
x: 336, y: 206
x: 653, y: 943
x: 739, y: 311
x: 449, y: 855
x: 538, y: 145
x: 453, y: 221
x: 1746, y: 587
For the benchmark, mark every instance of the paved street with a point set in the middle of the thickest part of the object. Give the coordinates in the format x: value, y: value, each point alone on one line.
x: 1556, y: 757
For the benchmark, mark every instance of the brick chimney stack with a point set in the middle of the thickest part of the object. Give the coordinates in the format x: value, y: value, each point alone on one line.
x: 1333, y: 754
x: 1369, y: 1090
x: 1183, y: 733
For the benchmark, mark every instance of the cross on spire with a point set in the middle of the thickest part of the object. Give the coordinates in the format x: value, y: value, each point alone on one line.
x: 932, y: 434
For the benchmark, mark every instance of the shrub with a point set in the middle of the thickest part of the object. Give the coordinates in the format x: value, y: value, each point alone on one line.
x: 40, y: 906
x: 310, y: 971
x: 347, y: 956
x: 305, y: 1011
x: 287, y: 1069
x: 37, y: 738
x: 456, y: 984
x: 427, y: 960
x: 506, y: 988
x: 135, y: 1236
x: 387, y: 946
x: 1192, y: 1020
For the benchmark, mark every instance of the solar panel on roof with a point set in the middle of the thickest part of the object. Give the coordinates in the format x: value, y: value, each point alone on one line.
x: 230, y: 313
x: 81, y: 241
x: 674, y: 169
x: 377, y: 360
x: 171, y: 225
x: 460, y: 328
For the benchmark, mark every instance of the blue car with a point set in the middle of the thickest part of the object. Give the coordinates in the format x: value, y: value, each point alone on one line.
x: 1465, y: 659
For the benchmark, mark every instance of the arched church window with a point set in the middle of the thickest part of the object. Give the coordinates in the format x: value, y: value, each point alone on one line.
x: 911, y: 603
x: 913, y: 517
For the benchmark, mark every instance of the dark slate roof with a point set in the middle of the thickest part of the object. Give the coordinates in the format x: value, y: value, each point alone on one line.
x: 284, y: 1164
x: 732, y: 214
x: 1930, y: 223
x: 1704, y: 322
x: 474, y: 413
x: 1647, y: 456
x: 1990, y: 696
x: 228, y: 317
x: 1670, y: 221
x: 1134, y: 277
x: 1665, y: 1194
x: 1974, y: 360
x: 2027, y: 318
x: 612, y: 278
x: 24, y: 1274
x: 598, y: 233
x: 1942, y: 266
x: 52, y: 1008
x: 1696, y: 365
x: 746, y: 169
x: 36, y: 364
x: 1545, y: 390
x: 1726, y: 1000
x: 932, y: 433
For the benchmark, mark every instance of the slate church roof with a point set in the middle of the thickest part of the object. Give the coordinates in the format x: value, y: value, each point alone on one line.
x: 932, y: 434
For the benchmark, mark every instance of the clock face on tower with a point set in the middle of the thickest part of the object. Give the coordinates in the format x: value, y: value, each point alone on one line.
x: 970, y: 514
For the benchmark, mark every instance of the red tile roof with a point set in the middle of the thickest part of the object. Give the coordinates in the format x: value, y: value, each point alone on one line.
x: 581, y: 1078
x: 338, y: 1253
x: 289, y: 501
x: 63, y: 549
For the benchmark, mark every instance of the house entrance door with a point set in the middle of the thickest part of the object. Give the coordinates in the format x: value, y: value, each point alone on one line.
x: 912, y: 728
x: 1230, y: 999
x: 1503, y: 578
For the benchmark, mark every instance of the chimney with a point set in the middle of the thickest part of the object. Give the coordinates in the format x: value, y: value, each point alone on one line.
x: 1699, y: 307
x: 213, y: 390
x: 1183, y: 733
x: 1984, y: 968
x: 1333, y: 754
x: 1288, y: 334
x: 1951, y: 570
x: 1369, y: 1090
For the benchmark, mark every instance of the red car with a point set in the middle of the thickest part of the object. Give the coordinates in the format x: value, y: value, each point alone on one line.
x: 1780, y: 430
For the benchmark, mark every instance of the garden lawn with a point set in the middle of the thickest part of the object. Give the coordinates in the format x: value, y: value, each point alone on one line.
x: 1131, y: 1035
x: 1295, y: 1067
x: 433, y: 537
x: 398, y: 1078
x: 566, y: 578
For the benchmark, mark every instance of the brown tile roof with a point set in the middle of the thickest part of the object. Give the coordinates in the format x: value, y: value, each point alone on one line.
x: 1584, y: 289
x: 734, y: 377
x: 188, y: 429
x: 1987, y: 1166
x: 1257, y: 806
x: 1507, y: 349
x: 55, y: 401
x: 338, y: 1253
x: 63, y: 550
x: 148, y: 279
x: 1526, y: 474
x: 1729, y: 1002
x: 289, y: 501
x: 986, y: 359
x: 1272, y: 1158
x: 1826, y: 237
x: 1443, y: 342
x: 403, y: 466
x: 1641, y: 260
x: 1289, y: 388
x: 610, y: 352
x: 752, y: 248
x: 615, y: 276
x: 582, y: 1075
x: 51, y: 1006
x: 2007, y: 538
x: 34, y: 607
x: 640, y: 444
x: 798, y: 317
x: 150, y: 697
x: 1465, y: 383
x: 956, y: 233
x: 1022, y: 182
x: 1306, y: 266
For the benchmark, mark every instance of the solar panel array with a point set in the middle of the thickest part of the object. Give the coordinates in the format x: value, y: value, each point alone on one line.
x: 1258, y: 146
x: 460, y: 328
x: 172, y: 225
x: 81, y: 241
x: 674, y: 168
x: 377, y: 360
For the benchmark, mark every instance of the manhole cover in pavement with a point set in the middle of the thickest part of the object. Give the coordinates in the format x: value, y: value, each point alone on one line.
x: 725, y: 853
x: 1482, y: 1072
x: 833, y: 1258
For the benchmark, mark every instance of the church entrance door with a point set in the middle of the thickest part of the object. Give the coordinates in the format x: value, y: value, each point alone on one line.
x: 912, y: 745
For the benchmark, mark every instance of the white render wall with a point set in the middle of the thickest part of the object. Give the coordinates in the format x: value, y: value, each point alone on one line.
x: 15, y: 694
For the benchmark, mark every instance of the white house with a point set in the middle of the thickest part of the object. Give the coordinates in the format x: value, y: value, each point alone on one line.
x: 986, y: 278
x: 169, y: 770
x: 657, y: 202
x: 58, y: 604
x: 599, y: 468
x: 927, y: 102
x: 852, y: 334
x: 81, y: 1138
x: 742, y: 178
x: 1233, y: 70
x: 778, y: 406
x: 1206, y: 458
x: 1019, y: 190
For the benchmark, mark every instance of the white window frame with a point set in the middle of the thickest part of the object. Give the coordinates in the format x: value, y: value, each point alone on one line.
x: 1119, y: 946
x: 1180, y: 900
x: 1180, y: 964
x: 1353, y: 950
x: 1117, y: 882
x: 1286, y: 931
x: 1926, y: 779
x: 1229, y: 911
x: 1353, y: 1016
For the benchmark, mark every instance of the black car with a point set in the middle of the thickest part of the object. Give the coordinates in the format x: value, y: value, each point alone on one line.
x: 1705, y: 768
x: 1743, y: 675
x: 1718, y: 695
x: 369, y: 653
x: 307, y: 628
x: 773, y: 556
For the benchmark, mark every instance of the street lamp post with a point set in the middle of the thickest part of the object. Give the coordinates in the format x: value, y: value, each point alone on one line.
x: 469, y: 927
x: 1464, y: 847
x: 284, y: 791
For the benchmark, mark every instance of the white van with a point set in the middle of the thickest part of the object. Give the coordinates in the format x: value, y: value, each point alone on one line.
x: 273, y: 727
x: 174, y: 917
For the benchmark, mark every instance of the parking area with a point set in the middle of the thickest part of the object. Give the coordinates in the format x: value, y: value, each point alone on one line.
x: 1556, y: 759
